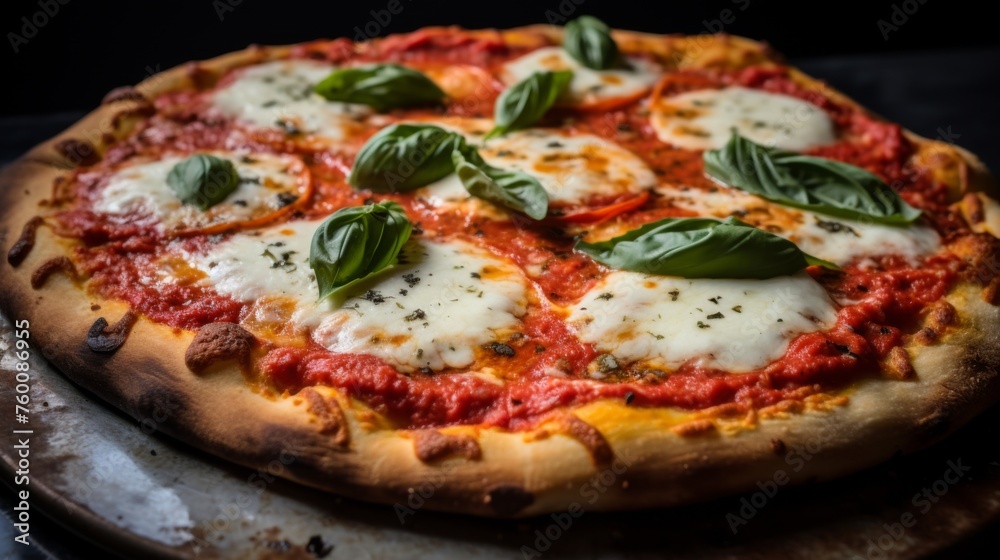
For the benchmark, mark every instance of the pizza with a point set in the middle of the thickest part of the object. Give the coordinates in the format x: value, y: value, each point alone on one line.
x: 477, y: 271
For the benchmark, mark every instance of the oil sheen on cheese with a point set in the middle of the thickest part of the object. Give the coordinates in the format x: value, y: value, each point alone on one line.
x: 588, y: 86
x: 279, y: 95
x: 267, y: 183
x: 839, y: 240
x: 433, y: 310
x: 705, y: 119
x: 573, y: 169
x: 734, y: 325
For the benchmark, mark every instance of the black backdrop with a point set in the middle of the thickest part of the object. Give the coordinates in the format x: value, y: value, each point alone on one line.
x: 70, y: 52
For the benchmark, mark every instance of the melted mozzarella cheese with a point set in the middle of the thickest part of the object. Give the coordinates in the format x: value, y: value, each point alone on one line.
x: 573, y: 169
x: 456, y: 299
x: 704, y: 119
x: 433, y: 310
x: 279, y: 95
x: 267, y: 183
x: 268, y: 263
x: 588, y: 86
x: 735, y: 325
x: 838, y: 240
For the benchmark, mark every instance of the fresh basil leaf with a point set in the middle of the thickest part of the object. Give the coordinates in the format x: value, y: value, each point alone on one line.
x: 812, y: 183
x: 203, y: 180
x: 505, y: 187
x: 355, y: 243
x: 382, y: 86
x: 522, y: 104
x: 404, y: 157
x: 588, y: 40
x: 702, y: 248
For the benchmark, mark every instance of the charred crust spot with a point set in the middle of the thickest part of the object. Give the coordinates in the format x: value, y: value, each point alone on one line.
x: 508, y: 500
x: 78, y: 152
x: 981, y: 251
x: 25, y: 243
x: 158, y: 406
x: 777, y: 446
x: 104, y: 338
x: 217, y: 342
x: 926, y: 336
x: 318, y: 547
x: 991, y: 293
x: 941, y: 315
x: 431, y: 445
x: 123, y: 93
x: 591, y: 438
x: 897, y: 364
x: 694, y: 428
x: 332, y: 421
x: 50, y: 267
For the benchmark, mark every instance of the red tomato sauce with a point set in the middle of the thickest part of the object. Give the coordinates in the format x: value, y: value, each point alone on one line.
x: 549, y: 368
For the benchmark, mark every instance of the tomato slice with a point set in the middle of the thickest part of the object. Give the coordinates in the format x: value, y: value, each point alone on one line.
x: 604, y: 213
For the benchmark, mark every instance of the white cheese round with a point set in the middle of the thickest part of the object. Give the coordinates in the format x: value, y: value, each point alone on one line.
x: 267, y: 184
x: 279, y: 95
x: 838, y: 240
x: 588, y: 86
x: 735, y: 325
x: 705, y: 119
x: 434, y: 309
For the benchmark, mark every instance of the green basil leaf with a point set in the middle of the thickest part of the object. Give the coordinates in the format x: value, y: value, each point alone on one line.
x: 588, y: 40
x: 203, y: 180
x: 522, y: 104
x: 355, y: 243
x: 508, y: 188
x: 404, y: 157
x: 382, y: 86
x: 702, y: 248
x: 812, y: 183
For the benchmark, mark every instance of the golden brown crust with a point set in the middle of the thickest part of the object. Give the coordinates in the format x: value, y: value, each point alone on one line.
x: 25, y: 243
x: 432, y: 445
x: 50, y: 267
x: 654, y: 457
x: 219, y: 342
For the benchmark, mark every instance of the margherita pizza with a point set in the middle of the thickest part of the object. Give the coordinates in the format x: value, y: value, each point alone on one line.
x: 508, y: 261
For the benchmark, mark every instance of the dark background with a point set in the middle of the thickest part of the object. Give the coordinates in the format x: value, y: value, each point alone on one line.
x: 937, y: 72
x: 933, y: 66
x: 85, y: 48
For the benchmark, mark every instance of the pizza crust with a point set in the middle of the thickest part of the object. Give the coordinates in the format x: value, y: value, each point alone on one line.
x: 602, y: 456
